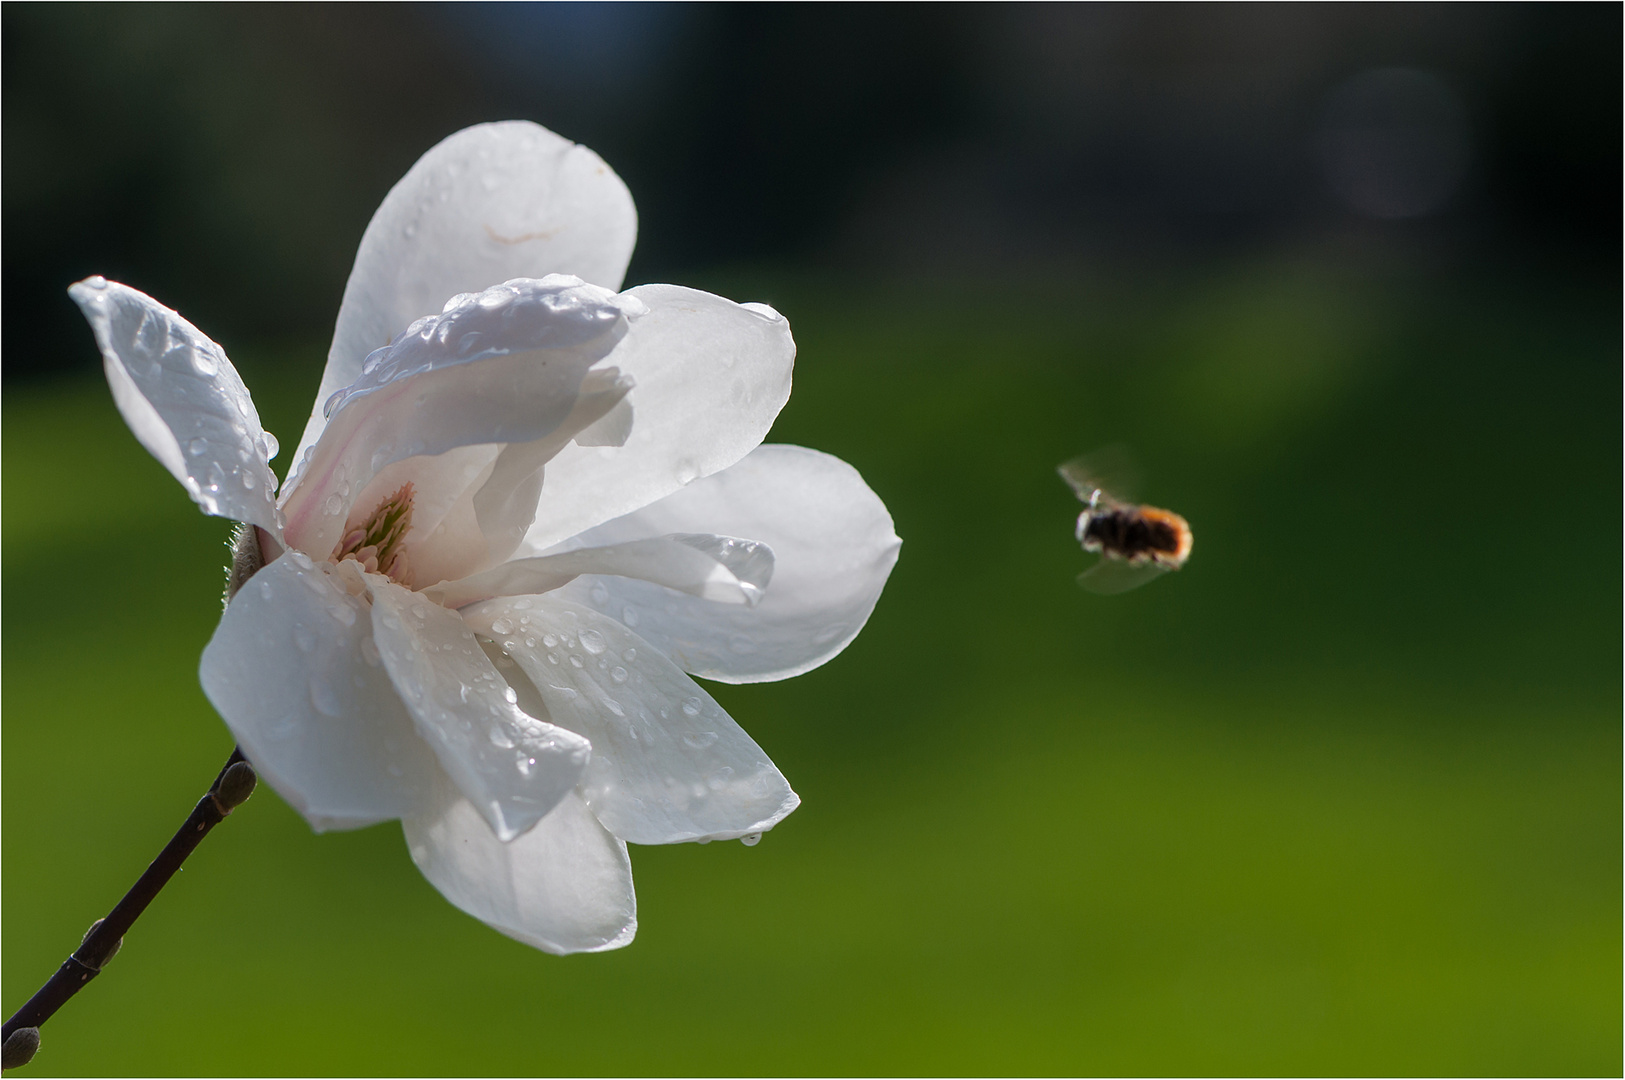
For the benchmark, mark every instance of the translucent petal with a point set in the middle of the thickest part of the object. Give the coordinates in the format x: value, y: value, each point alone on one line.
x: 724, y: 569
x: 490, y: 508
x: 710, y: 377
x: 490, y: 203
x: 184, y: 401
x: 833, y: 546
x: 668, y: 763
x: 513, y: 767
x: 564, y: 886
x: 293, y: 670
x: 504, y: 366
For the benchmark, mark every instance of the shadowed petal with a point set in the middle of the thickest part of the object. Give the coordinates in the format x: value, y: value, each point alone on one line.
x: 833, y: 547
x: 723, y: 569
x: 184, y: 401
x: 564, y: 886
x: 668, y: 763
x: 710, y: 375
x: 293, y: 671
x: 513, y: 767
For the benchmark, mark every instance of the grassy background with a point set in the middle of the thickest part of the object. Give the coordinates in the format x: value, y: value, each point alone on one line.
x: 1343, y: 796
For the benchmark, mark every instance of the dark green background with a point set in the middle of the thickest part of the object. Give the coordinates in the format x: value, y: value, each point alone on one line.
x: 1341, y: 797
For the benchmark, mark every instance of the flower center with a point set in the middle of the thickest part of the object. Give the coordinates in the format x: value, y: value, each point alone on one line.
x: 377, y: 544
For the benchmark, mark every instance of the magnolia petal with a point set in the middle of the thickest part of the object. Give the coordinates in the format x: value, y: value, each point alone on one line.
x: 490, y: 203
x: 725, y: 569
x: 565, y: 886
x: 492, y: 508
x: 668, y: 764
x: 833, y: 546
x: 710, y: 377
x: 293, y: 670
x: 504, y: 366
x: 184, y: 402
x: 511, y: 766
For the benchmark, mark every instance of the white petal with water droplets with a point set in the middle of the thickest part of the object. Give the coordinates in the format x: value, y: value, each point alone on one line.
x: 723, y: 569
x: 184, y: 401
x: 513, y: 767
x: 833, y: 546
x: 293, y: 670
x: 506, y: 365
x: 710, y: 377
x: 490, y: 203
x: 564, y: 886
x: 668, y: 764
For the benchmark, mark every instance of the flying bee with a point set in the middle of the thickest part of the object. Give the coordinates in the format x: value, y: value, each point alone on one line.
x: 1136, y: 543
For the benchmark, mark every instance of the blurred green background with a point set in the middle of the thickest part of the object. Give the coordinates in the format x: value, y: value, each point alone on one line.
x: 1343, y: 796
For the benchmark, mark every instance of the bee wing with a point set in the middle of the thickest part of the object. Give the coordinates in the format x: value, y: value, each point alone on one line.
x: 1108, y: 577
x: 1109, y: 470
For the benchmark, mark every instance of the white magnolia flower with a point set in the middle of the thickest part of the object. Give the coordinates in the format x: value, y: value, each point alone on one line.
x: 511, y: 536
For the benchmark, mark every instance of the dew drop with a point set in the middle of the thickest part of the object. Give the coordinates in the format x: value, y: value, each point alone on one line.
x: 751, y: 839
x: 197, y: 447
x: 304, y: 639
x: 691, y: 706
x: 272, y: 447
x: 576, y: 661
x: 698, y: 740
x: 326, y: 700
x: 629, y: 615
x: 205, y: 364
x: 333, y: 505
x: 502, y: 626
x: 550, y: 640
x: 599, y: 594
x: 618, y: 674
x: 592, y: 641
x: 511, y: 695
x: 629, y: 655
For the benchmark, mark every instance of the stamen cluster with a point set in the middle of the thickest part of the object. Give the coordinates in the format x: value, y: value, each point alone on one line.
x: 377, y: 545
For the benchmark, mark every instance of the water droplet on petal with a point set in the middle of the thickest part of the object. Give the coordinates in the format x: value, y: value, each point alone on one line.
x: 751, y: 839
x: 197, y: 447
x: 691, y: 706
x: 333, y: 505
x: 698, y: 740
x: 271, y: 445
x: 629, y: 616
x: 618, y: 674
x: 205, y: 364
x: 502, y: 626
x: 325, y: 698
x: 599, y: 594
x: 576, y: 661
x: 304, y: 639
x: 592, y: 641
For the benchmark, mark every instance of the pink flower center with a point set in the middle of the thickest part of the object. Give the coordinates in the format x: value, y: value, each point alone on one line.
x: 378, y: 544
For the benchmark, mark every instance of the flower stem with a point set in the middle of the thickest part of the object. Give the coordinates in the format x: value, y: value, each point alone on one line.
x: 234, y: 784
